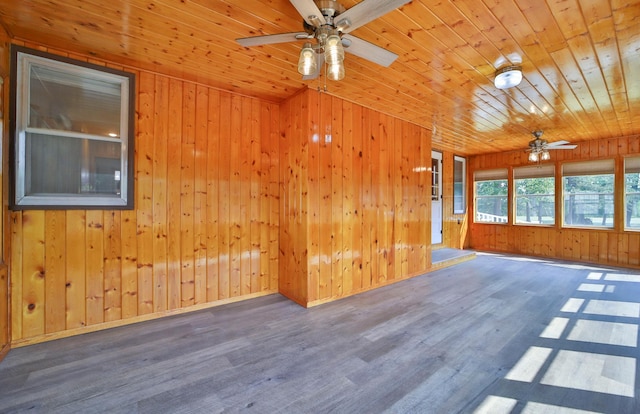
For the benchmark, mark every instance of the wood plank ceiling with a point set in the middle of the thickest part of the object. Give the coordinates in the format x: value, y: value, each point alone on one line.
x: 580, y: 59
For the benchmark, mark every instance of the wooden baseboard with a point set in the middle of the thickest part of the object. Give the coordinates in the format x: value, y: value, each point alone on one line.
x: 142, y: 318
x: 4, y: 351
x: 385, y: 283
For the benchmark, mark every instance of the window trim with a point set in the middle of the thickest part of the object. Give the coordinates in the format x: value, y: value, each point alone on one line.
x: 605, y: 166
x: 636, y: 166
x: 494, y: 174
x: 17, y: 170
x: 463, y: 160
x: 533, y: 171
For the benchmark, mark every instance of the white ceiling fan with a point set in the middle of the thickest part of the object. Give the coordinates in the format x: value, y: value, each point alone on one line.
x: 539, y: 148
x: 329, y: 23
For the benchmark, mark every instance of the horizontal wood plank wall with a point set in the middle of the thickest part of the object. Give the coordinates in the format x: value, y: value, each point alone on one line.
x: 203, y: 232
x: 455, y: 227
x: 614, y: 247
x: 355, y: 195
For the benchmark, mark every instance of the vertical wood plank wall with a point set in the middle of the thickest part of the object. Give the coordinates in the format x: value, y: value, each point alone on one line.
x: 5, y: 317
x: 204, y: 230
x: 614, y: 247
x: 355, y: 206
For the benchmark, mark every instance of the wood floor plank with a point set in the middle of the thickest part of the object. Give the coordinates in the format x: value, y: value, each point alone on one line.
x: 439, y: 343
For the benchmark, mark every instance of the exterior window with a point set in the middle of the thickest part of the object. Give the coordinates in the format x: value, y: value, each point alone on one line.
x: 459, y: 185
x: 632, y: 193
x: 587, y: 190
x: 72, y: 134
x: 535, y: 195
x: 492, y: 196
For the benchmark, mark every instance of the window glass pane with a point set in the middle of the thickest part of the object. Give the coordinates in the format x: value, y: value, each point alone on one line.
x: 632, y: 193
x: 588, y: 200
x: 435, y: 179
x: 535, y: 200
x: 491, y: 201
x: 459, y: 178
x: 71, y: 102
x: 73, y: 133
x: 62, y: 165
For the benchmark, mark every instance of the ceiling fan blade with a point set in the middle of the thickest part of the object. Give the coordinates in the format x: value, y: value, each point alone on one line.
x: 272, y: 39
x: 364, y: 12
x: 308, y: 10
x: 555, y: 147
x: 562, y: 142
x: 369, y: 51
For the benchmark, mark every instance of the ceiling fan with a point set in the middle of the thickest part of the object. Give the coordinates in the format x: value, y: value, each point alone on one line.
x: 539, y: 148
x: 329, y: 23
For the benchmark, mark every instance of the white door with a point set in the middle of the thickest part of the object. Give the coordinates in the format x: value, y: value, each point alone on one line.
x: 436, y: 197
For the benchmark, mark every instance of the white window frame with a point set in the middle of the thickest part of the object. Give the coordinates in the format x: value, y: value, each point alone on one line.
x: 23, y: 60
x: 463, y: 196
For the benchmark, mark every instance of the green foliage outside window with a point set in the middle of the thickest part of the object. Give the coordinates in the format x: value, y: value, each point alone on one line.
x: 535, y: 200
x: 632, y: 200
x: 588, y: 200
x: 492, y: 201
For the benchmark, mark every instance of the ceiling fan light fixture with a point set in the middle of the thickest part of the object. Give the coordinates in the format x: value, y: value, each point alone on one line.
x: 545, y: 155
x: 508, y: 77
x: 333, y: 49
x: 533, y: 156
x: 335, y: 72
x: 308, y: 63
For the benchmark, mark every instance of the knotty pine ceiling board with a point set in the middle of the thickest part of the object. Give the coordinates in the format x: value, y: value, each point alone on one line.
x: 580, y: 59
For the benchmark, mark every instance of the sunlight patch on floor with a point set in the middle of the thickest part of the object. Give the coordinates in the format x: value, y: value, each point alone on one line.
x: 528, y: 366
x: 613, y: 308
x: 572, y: 305
x: 621, y: 277
x: 539, y: 408
x: 496, y: 405
x: 592, y: 372
x: 555, y: 328
x: 609, y: 333
x: 591, y: 287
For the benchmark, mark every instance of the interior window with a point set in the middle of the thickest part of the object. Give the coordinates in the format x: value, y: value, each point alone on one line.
x: 73, y: 138
x: 459, y: 185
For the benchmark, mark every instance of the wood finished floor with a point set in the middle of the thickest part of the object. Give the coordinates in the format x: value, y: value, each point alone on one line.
x: 495, y: 334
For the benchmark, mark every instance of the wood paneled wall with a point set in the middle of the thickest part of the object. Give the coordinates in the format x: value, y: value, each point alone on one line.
x: 355, y: 203
x: 5, y: 317
x: 455, y: 227
x: 614, y: 247
x: 204, y: 230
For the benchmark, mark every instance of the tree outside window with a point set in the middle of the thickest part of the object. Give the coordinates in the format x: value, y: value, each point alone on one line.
x: 632, y: 193
x: 492, y: 196
x: 588, y: 193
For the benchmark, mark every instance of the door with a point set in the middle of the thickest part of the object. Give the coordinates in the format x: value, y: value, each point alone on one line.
x: 436, y: 197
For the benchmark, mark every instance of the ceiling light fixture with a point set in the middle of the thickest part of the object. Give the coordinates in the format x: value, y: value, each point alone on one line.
x: 308, y: 63
x: 508, y: 77
x: 334, y: 56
